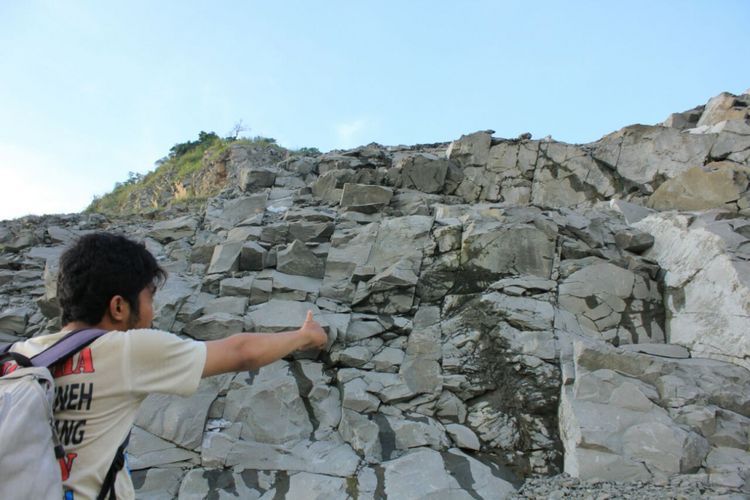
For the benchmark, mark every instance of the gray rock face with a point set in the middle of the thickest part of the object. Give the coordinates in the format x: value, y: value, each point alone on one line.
x: 180, y: 420
x: 463, y: 436
x: 717, y: 185
x: 253, y: 178
x: 311, y: 231
x: 378, y: 270
x: 174, y: 229
x: 634, y: 241
x: 471, y: 150
x: 280, y: 315
x: 253, y: 257
x: 14, y: 321
x: 614, y: 304
x: 147, y: 450
x: 242, y: 287
x: 228, y: 305
x: 217, y: 325
x: 170, y: 299
x: 640, y: 153
x: 48, y: 304
x: 317, y: 457
x: 225, y: 214
x: 421, y: 368
x: 299, y: 260
x: 424, y: 174
x: 621, y: 403
x: 365, y: 198
x: 226, y: 258
x: 491, y: 249
x: 257, y: 405
x: 568, y: 176
x: 500, y: 353
x: 422, y: 474
x: 707, y: 282
x: 509, y: 298
x: 725, y: 106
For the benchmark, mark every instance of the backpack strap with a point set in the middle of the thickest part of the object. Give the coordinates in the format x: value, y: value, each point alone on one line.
x: 19, y: 358
x: 67, y: 346
x: 62, y: 349
x: 108, y: 486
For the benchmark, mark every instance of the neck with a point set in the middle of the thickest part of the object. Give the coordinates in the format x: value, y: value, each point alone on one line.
x: 104, y: 324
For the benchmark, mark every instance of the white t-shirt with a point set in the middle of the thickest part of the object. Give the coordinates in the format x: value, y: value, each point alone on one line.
x: 98, y: 392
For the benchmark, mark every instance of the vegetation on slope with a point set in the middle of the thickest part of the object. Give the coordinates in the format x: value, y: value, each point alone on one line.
x: 184, y: 161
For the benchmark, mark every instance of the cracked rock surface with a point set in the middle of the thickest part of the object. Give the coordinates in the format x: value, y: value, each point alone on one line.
x: 507, y: 318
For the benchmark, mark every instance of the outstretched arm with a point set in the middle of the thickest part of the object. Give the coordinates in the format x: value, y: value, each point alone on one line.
x: 250, y: 351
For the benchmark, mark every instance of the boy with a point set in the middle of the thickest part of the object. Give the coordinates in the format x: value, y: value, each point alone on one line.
x: 107, y: 281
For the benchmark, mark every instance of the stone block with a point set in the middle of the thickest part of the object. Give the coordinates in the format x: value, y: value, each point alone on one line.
x: 298, y: 259
x: 226, y: 258
x: 365, y: 198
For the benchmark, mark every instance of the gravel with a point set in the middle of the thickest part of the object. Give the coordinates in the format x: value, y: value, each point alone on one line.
x: 685, y: 487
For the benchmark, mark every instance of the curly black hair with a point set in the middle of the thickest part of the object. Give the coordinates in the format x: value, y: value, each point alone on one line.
x: 99, y: 266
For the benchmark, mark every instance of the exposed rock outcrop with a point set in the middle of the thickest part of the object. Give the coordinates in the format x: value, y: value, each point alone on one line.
x: 496, y: 309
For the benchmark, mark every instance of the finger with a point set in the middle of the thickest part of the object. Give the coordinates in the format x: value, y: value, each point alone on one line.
x: 309, y: 316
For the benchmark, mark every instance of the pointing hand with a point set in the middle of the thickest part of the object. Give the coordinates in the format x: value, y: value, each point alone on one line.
x: 311, y: 329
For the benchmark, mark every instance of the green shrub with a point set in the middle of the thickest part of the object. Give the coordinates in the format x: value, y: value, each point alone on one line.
x: 184, y: 160
x: 307, y: 152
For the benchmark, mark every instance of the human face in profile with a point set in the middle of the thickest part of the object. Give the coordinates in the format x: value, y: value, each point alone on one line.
x: 145, y: 315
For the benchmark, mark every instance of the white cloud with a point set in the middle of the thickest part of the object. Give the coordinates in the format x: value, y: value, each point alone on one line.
x: 349, y: 134
x: 33, y: 183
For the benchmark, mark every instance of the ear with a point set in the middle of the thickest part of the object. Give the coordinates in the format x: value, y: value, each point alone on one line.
x: 119, y: 309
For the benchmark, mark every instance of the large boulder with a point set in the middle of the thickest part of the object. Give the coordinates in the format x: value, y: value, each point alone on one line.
x: 174, y: 229
x: 568, y: 175
x: 349, y: 249
x: 280, y: 315
x: 707, y: 282
x: 225, y: 258
x: 388, y: 276
x: 717, y: 185
x: 365, y: 198
x: 620, y: 404
x: 170, y: 298
x: 725, y: 106
x: 181, y: 420
x: 258, y: 404
x: 429, y: 474
x: 14, y: 321
x: 254, y: 178
x: 642, y: 155
x: 213, y: 326
x: 471, y: 150
x: 614, y: 304
x: 423, y: 173
x: 421, y: 365
x: 493, y: 249
x: 298, y: 259
x: 225, y: 214
x: 378, y: 265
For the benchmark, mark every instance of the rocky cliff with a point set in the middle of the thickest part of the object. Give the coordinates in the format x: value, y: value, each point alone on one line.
x: 498, y: 309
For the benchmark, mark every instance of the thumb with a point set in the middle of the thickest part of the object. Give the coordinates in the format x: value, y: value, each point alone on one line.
x: 309, y: 317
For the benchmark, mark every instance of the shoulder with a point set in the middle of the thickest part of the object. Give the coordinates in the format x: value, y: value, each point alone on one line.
x: 141, y: 335
x: 149, y: 341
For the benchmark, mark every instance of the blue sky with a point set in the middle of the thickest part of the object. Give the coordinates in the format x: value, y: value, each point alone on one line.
x: 91, y: 90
